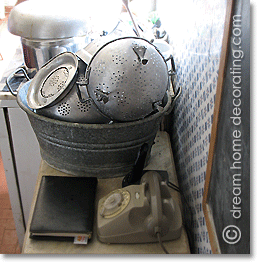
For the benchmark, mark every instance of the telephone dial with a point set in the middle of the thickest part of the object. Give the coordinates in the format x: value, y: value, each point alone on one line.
x: 138, y: 213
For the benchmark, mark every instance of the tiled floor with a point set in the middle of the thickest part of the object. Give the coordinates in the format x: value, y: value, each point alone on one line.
x: 8, y: 236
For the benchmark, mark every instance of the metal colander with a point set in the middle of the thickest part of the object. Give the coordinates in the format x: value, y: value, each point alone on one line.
x: 52, y: 81
x: 127, y: 78
x: 76, y: 105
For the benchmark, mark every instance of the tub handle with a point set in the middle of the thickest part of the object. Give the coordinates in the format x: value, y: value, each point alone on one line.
x: 20, y: 69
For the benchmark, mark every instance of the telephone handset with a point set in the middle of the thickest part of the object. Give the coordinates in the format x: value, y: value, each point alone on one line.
x: 137, y: 213
x: 154, y: 220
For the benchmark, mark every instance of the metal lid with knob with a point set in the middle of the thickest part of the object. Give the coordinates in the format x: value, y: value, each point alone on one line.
x: 59, y: 19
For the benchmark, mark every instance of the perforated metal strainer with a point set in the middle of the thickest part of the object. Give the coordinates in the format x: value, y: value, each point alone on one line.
x: 127, y: 78
x: 76, y: 106
x: 54, y: 94
x: 52, y: 81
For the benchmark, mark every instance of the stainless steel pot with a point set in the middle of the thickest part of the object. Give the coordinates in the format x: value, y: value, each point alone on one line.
x: 45, y: 34
x: 38, y: 52
x: 48, y: 27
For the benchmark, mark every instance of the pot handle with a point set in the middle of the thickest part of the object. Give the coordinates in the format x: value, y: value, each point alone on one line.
x: 20, y: 69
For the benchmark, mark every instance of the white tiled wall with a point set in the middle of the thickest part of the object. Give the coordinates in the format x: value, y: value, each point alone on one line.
x: 196, y: 30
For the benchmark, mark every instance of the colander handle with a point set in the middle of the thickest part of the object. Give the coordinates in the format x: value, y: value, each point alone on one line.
x: 172, y: 73
x: 20, y: 69
x: 84, y: 56
x: 172, y: 62
x: 81, y: 99
x: 174, y: 98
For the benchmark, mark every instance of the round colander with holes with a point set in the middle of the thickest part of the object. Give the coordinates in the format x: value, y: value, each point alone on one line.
x: 127, y: 78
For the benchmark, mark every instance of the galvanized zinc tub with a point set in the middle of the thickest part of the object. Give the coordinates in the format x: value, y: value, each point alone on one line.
x: 100, y: 150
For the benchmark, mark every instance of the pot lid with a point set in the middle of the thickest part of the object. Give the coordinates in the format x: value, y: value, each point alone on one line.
x: 61, y: 19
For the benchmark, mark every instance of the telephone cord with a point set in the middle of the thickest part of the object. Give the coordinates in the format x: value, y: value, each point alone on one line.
x: 161, y: 243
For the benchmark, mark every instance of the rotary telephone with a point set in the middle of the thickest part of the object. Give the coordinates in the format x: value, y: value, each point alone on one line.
x: 138, y: 213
